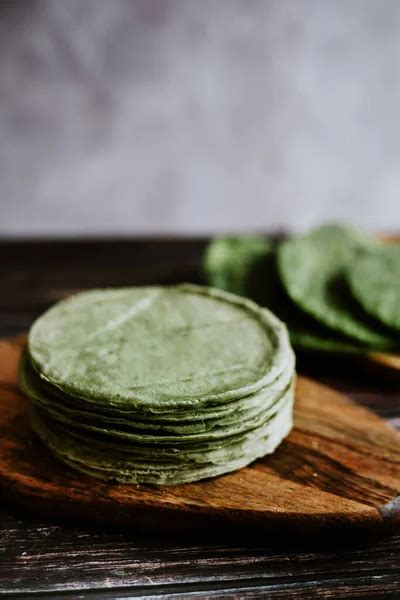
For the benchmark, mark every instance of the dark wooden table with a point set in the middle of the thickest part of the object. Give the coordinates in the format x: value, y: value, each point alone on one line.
x: 41, y: 557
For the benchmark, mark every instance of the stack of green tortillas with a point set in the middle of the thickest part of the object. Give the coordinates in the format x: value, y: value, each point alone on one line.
x: 337, y: 289
x: 159, y: 384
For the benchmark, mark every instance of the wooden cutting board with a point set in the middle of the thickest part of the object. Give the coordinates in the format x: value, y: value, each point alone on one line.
x: 338, y: 469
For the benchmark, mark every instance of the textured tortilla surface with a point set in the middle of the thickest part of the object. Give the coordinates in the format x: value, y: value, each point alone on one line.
x: 246, y: 265
x: 312, y: 269
x: 180, y: 346
x: 374, y: 281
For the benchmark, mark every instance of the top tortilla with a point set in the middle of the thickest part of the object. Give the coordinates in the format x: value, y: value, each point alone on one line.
x: 374, y: 281
x: 312, y: 270
x: 140, y: 347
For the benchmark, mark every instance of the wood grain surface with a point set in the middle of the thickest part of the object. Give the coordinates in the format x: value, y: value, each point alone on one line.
x: 339, y: 468
x: 47, y: 556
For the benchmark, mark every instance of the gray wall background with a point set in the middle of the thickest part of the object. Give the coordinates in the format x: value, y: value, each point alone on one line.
x: 191, y: 116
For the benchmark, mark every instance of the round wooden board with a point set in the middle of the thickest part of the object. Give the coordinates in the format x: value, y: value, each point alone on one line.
x: 339, y: 468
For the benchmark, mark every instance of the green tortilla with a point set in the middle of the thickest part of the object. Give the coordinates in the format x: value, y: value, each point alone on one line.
x: 312, y: 270
x: 180, y: 347
x: 374, y: 281
x: 246, y: 265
